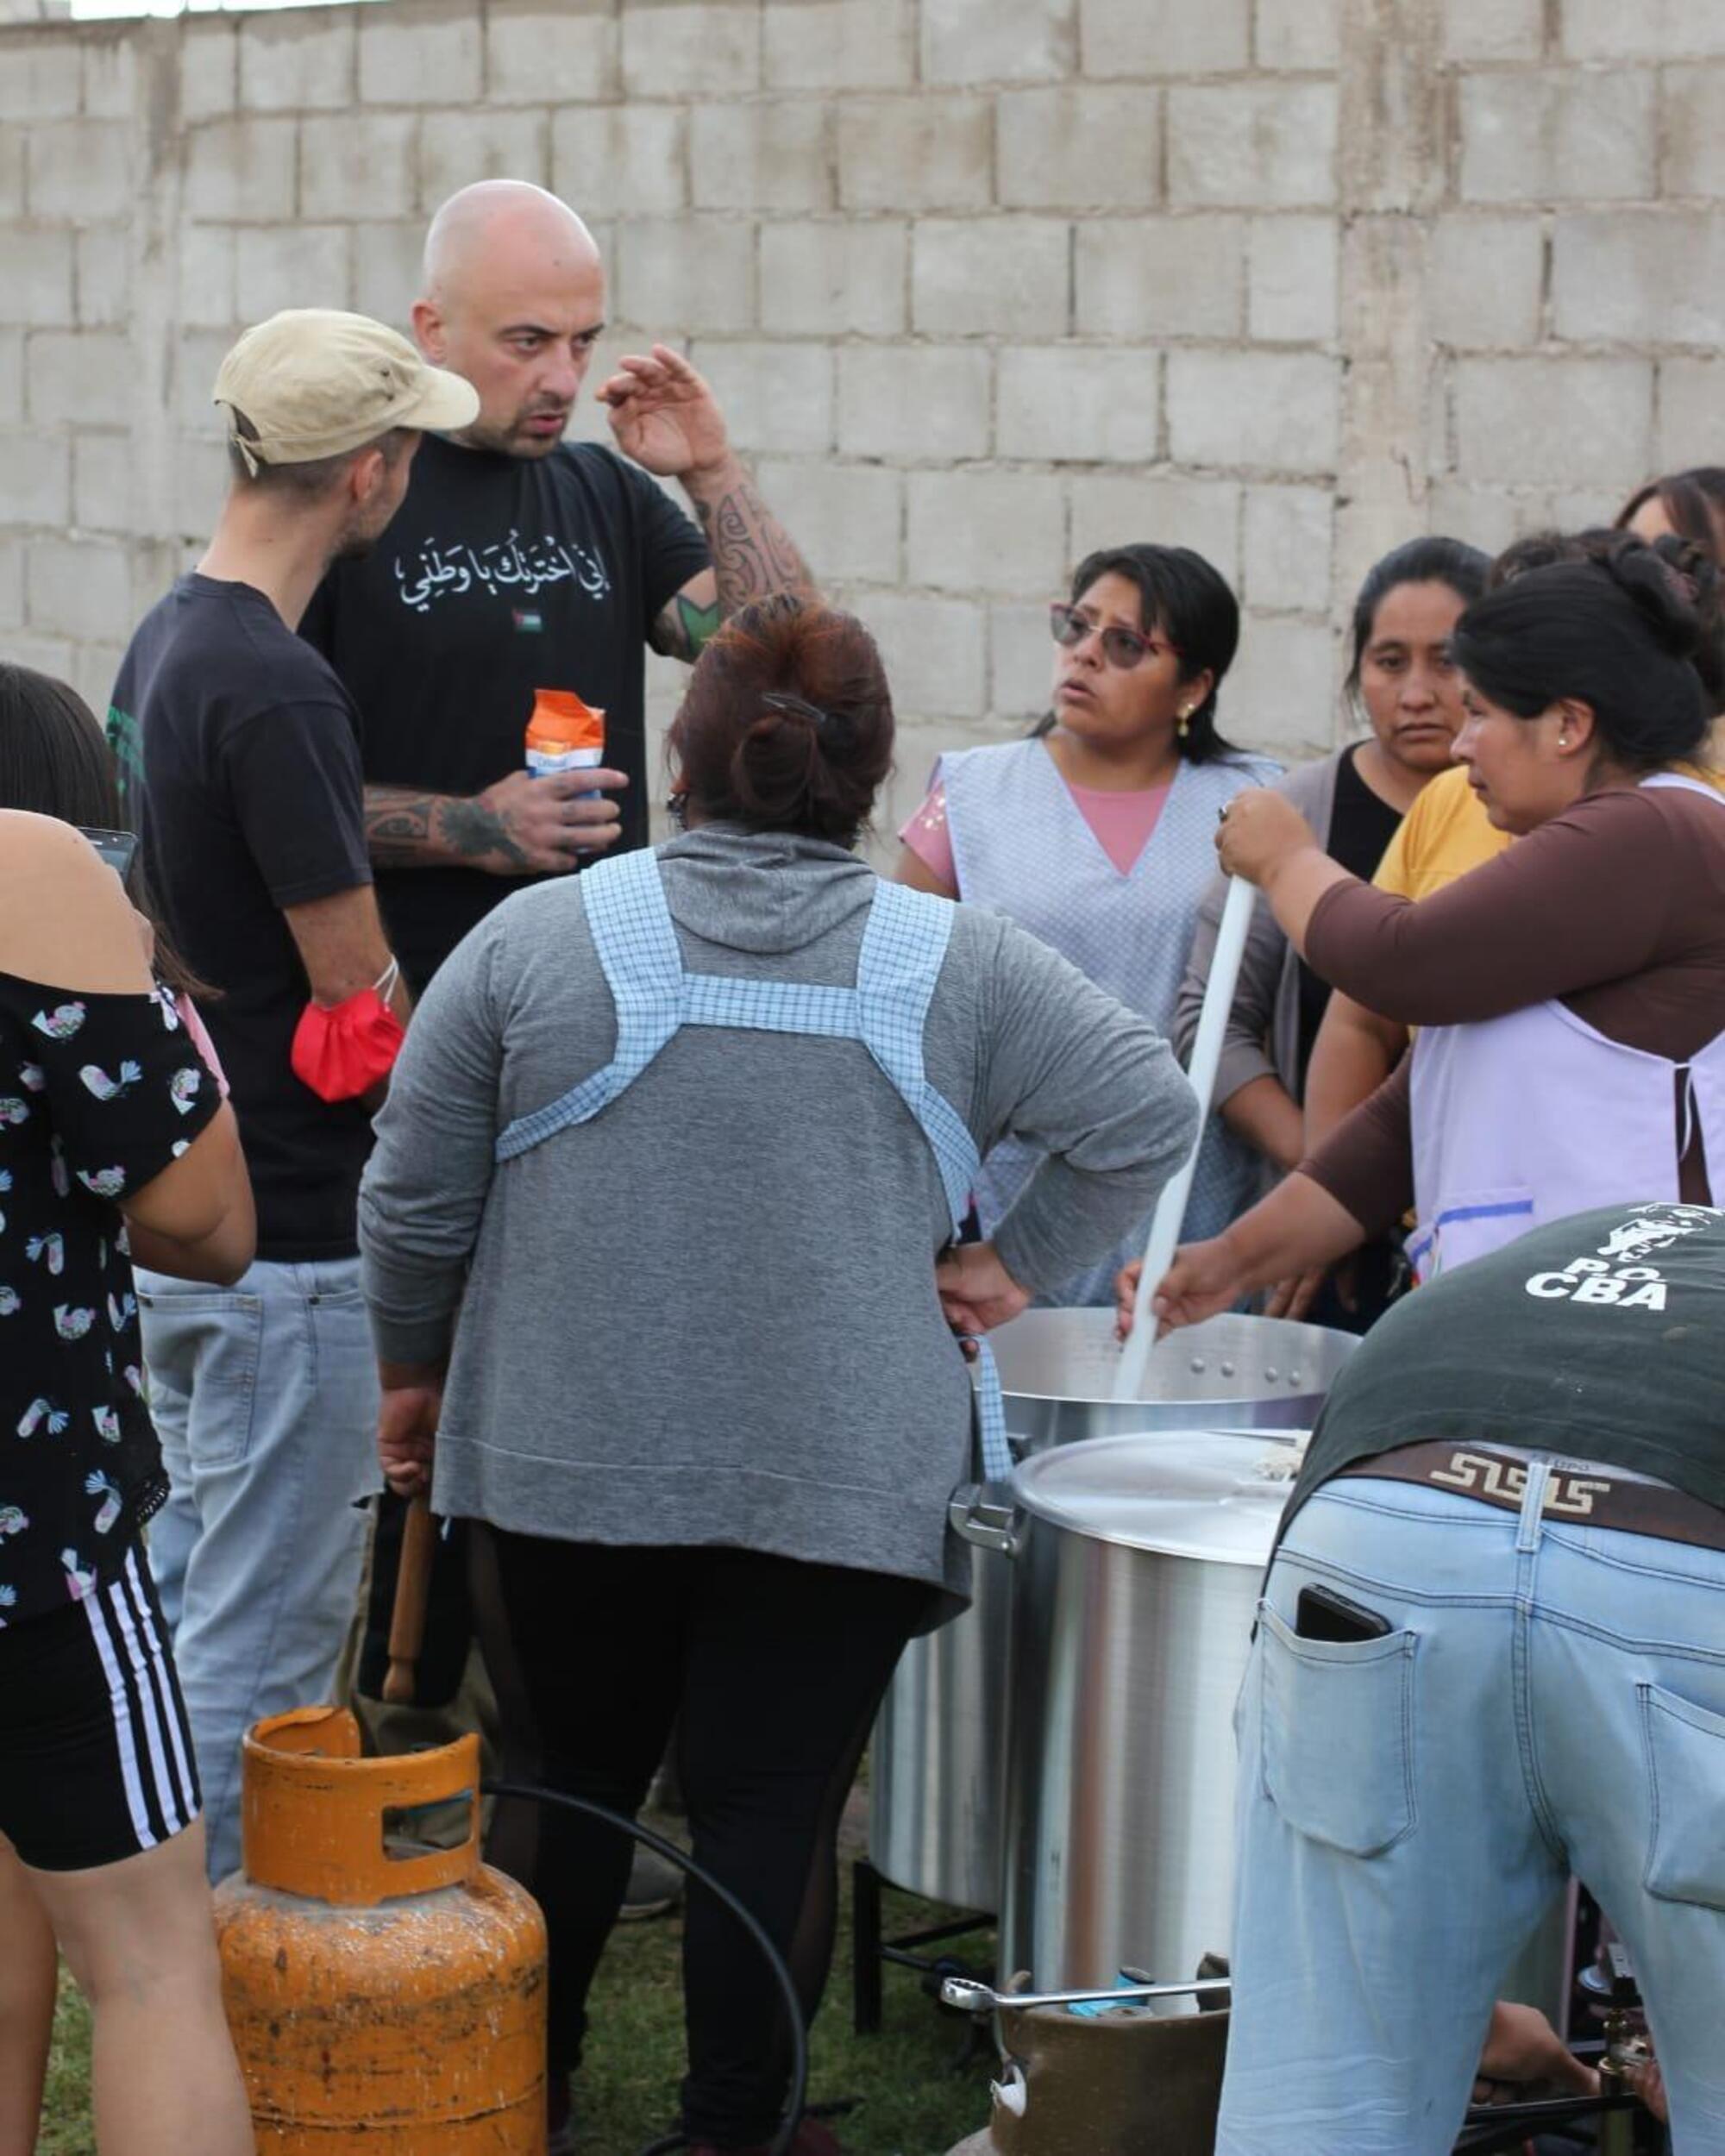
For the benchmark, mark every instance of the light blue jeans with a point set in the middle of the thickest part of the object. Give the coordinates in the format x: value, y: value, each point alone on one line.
x: 265, y: 1398
x: 1551, y: 1699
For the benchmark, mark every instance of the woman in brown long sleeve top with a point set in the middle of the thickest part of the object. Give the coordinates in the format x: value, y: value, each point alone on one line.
x: 1571, y: 995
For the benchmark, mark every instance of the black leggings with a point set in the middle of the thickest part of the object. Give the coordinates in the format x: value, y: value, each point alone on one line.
x: 771, y: 1672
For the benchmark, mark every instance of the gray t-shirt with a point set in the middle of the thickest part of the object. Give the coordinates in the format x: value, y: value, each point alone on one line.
x: 708, y: 1316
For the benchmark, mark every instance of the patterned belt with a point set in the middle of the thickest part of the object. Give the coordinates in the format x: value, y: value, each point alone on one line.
x: 1584, y: 1499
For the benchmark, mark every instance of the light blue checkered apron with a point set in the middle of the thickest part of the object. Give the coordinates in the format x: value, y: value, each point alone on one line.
x: 904, y: 947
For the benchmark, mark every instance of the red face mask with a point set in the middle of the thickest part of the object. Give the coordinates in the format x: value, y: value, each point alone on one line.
x: 342, y: 1050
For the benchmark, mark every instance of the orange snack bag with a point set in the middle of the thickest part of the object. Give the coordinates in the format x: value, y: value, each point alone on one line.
x: 563, y: 734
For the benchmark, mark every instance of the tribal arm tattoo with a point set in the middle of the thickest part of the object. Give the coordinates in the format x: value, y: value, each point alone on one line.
x: 406, y: 828
x: 753, y: 557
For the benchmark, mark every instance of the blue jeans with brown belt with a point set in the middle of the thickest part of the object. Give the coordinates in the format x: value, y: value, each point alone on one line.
x: 1549, y: 1699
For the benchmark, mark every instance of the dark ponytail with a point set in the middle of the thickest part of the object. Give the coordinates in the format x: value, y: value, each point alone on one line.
x: 1630, y: 631
x: 786, y: 723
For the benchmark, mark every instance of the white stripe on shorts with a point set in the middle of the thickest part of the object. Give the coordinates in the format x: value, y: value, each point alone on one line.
x: 149, y: 1682
x: 186, y: 1783
x: 122, y: 1719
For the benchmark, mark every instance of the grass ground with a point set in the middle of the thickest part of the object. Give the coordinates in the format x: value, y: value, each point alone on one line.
x: 913, y: 2097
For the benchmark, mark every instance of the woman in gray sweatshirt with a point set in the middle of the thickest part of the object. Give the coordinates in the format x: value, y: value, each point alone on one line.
x: 684, y: 1140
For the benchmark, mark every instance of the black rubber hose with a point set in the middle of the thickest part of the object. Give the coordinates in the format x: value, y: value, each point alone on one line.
x: 532, y: 1793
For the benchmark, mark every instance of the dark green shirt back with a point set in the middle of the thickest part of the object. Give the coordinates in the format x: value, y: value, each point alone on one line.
x: 1599, y: 1337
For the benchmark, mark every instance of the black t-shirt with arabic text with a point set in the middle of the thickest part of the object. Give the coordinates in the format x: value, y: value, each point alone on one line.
x: 498, y: 576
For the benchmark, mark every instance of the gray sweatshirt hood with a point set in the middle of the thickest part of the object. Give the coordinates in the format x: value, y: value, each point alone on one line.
x: 766, y: 893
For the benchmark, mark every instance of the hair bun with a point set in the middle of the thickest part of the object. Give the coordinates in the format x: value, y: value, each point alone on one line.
x: 1674, y: 587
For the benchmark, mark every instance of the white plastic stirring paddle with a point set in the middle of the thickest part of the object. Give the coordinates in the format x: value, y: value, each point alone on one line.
x: 1170, y: 1208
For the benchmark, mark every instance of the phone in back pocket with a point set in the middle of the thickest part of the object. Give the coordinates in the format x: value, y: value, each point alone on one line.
x: 1321, y: 1614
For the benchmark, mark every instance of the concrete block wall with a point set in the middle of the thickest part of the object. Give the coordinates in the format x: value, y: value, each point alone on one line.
x: 983, y: 282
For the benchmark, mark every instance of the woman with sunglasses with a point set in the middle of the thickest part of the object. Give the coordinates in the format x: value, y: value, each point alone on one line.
x: 1096, y: 832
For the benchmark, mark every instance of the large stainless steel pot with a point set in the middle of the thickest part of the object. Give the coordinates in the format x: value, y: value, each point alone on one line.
x: 939, y: 1743
x: 1138, y: 1562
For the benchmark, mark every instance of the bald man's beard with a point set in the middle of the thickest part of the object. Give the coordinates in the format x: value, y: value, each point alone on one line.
x: 512, y: 438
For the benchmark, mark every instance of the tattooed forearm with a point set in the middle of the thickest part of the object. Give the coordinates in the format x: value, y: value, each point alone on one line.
x: 406, y: 828
x: 686, y: 624
x: 753, y: 555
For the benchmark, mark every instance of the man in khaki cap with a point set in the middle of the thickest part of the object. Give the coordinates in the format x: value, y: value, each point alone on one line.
x: 241, y: 753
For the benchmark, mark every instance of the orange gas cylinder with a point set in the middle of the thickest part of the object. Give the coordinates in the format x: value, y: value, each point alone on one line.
x: 392, y: 2003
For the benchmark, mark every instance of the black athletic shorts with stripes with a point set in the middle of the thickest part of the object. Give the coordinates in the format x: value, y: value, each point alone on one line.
x: 96, y: 1758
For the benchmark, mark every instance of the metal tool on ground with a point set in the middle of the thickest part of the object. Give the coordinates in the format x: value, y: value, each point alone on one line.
x: 412, y: 1592
x: 1166, y: 1221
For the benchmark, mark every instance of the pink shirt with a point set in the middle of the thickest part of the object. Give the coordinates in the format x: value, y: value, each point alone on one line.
x: 1122, y: 823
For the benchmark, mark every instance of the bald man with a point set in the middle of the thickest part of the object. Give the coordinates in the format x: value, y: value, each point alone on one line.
x: 520, y: 562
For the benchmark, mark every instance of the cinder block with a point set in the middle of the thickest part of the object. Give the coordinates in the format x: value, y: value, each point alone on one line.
x: 11, y: 373
x: 1650, y: 29
x: 94, y: 667
x: 1281, y: 696
x: 1008, y: 275
x: 1627, y: 273
x: 847, y: 45
x: 209, y: 68
x: 1297, y: 33
x: 1586, y: 508
x: 1493, y: 29
x: 1021, y: 659
x: 102, y: 472
x: 1289, y: 535
x: 774, y: 396
x: 360, y: 165
x: 1163, y: 37
x: 1150, y: 278
x: 1692, y: 398
x: 11, y: 589
x: 927, y: 403
x: 419, y: 59
x: 846, y: 517
x: 77, y: 588
x: 631, y: 160
x: 693, y: 49
x: 1486, y: 516
x: 1693, y: 138
x: 12, y: 171
x: 831, y: 279
x: 1557, y: 133
x: 1115, y: 510
x: 1065, y: 403
x: 1276, y: 411
x: 198, y: 357
x: 52, y: 656
x: 935, y: 651
x: 458, y: 147
x: 986, y: 531
x: 388, y: 261
x: 104, y: 277
x: 38, y: 286
x: 774, y: 156
x: 1294, y: 286
x: 80, y: 168
x: 684, y: 272
x: 40, y: 79
x: 532, y: 52
x: 1264, y: 145
x: 292, y: 266
x: 297, y: 62
x: 200, y: 487
x: 998, y: 41
x: 111, y: 76
x: 924, y: 153
x: 242, y: 168
x: 1083, y: 148
x: 1554, y: 422
x: 1482, y: 280
x: 38, y: 468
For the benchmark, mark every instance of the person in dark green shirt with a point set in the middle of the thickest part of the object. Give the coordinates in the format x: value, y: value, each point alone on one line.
x: 1490, y: 1656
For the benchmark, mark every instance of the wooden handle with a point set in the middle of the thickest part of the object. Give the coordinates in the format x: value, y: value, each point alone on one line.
x: 412, y: 1592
